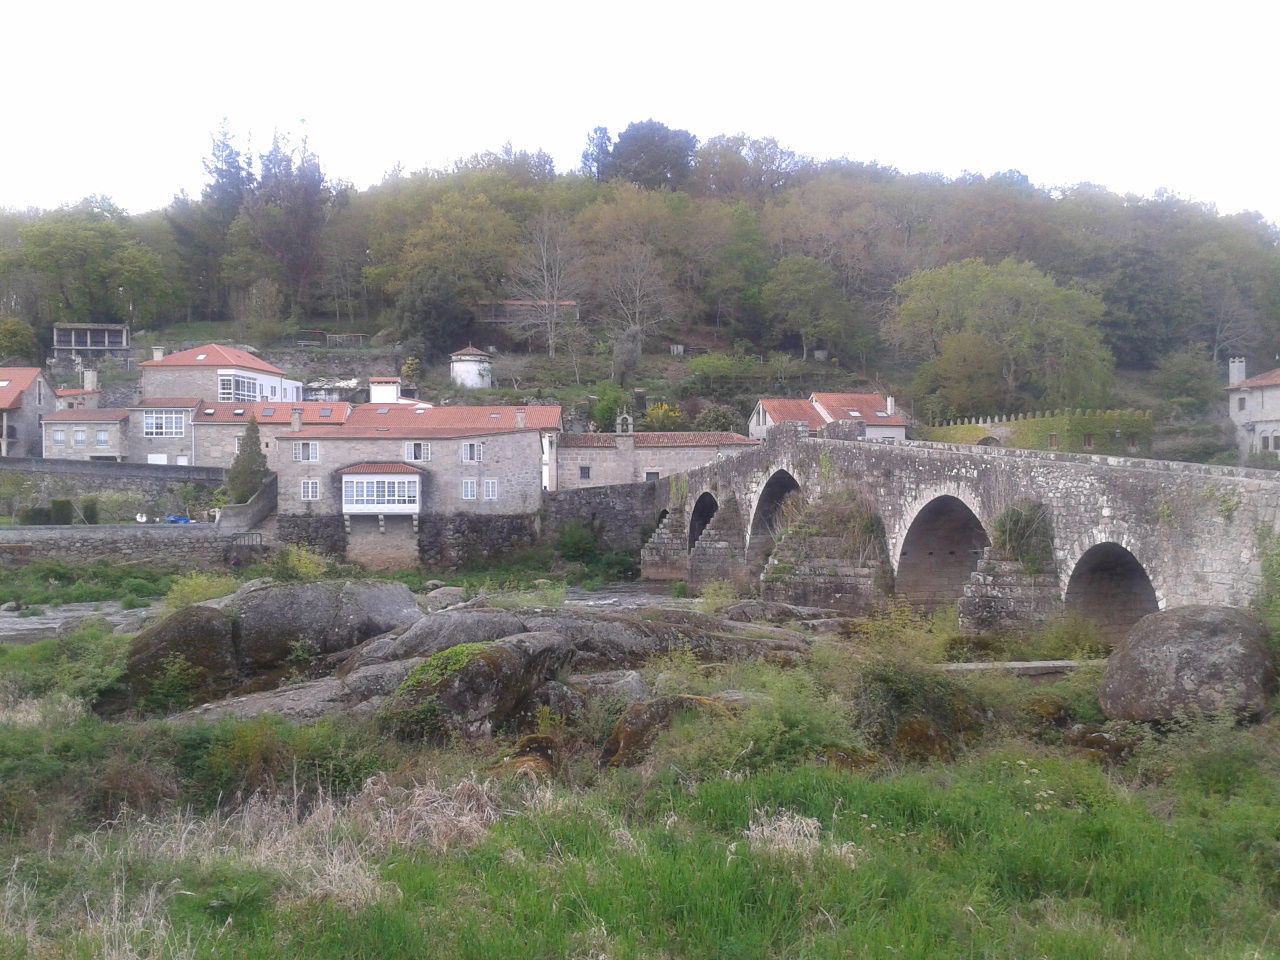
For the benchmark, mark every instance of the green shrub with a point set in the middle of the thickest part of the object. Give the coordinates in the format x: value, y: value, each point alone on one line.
x: 679, y: 589
x: 35, y: 517
x: 173, y: 686
x: 890, y: 694
x: 578, y: 542
x: 130, y: 602
x: 90, y: 662
x: 1023, y: 532
x: 195, y: 587
x: 295, y: 563
x: 89, y: 509
x: 61, y: 512
x: 717, y: 594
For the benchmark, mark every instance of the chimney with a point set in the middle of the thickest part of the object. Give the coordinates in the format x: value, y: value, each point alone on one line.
x: 889, y: 405
x: 90, y: 379
x: 1235, y: 371
x: 157, y: 353
x: 296, y: 419
x: 384, y: 390
x: 519, y: 418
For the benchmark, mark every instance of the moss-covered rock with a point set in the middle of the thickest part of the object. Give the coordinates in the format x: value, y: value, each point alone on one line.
x: 640, y: 724
x: 202, y: 638
x: 535, y: 757
x: 472, y: 689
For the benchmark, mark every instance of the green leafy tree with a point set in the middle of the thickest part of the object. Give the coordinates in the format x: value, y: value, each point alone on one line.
x: 652, y: 155
x: 719, y: 418
x: 802, y: 293
x: 1188, y: 379
x: 249, y: 468
x: 1050, y: 335
x: 17, y: 340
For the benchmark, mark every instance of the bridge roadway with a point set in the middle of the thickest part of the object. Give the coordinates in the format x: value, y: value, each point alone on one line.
x: 1129, y: 536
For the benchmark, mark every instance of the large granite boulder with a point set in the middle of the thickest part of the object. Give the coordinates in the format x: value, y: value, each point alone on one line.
x: 474, y: 688
x: 1190, y: 660
x: 200, y: 637
x: 247, y: 639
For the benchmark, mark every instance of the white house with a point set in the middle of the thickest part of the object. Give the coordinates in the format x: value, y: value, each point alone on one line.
x: 1254, y: 407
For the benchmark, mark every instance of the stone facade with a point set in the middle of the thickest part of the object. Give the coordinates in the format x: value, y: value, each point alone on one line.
x: 20, y: 434
x: 512, y: 460
x: 201, y: 383
x: 1128, y: 535
x: 85, y: 438
x: 453, y: 540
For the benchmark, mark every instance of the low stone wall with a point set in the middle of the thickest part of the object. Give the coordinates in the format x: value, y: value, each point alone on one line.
x: 306, y: 363
x: 81, y: 478
x: 449, y: 541
x: 323, y: 533
x: 241, y: 517
x: 624, y: 514
x: 184, y: 545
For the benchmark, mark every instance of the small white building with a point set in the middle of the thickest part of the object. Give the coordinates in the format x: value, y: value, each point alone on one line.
x: 1254, y: 407
x: 471, y: 368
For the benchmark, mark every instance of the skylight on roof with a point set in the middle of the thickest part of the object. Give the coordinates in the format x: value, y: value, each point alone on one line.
x: 268, y: 411
x: 326, y: 411
x: 494, y: 416
x: 881, y: 413
x: 202, y: 356
x: 383, y: 410
x: 238, y: 413
x: 210, y: 412
x: 854, y: 413
x: 419, y: 410
x: 4, y: 383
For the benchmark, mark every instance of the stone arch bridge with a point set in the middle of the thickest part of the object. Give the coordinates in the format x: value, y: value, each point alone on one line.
x: 1012, y: 536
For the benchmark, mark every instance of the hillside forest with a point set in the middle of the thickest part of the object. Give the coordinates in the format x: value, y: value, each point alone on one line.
x: 975, y: 294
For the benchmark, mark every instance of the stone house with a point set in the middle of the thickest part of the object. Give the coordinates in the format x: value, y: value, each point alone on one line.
x: 86, y: 433
x: 218, y: 427
x: 27, y: 396
x: 218, y: 373
x: 1253, y: 403
x: 599, y: 459
x: 159, y: 430
x: 414, y: 459
x: 878, y: 412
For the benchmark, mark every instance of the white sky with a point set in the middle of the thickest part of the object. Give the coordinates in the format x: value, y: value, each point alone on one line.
x: 121, y: 99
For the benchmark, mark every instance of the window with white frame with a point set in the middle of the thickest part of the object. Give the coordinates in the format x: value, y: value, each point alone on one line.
x: 490, y: 489
x: 238, y: 439
x: 473, y: 453
x: 78, y: 438
x: 468, y: 489
x: 310, y: 489
x: 378, y: 493
x: 59, y: 438
x: 237, y: 389
x: 164, y: 423
x: 417, y: 451
x: 103, y: 439
x: 308, y: 450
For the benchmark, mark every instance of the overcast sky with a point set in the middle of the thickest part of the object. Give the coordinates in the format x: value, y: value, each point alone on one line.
x: 121, y: 99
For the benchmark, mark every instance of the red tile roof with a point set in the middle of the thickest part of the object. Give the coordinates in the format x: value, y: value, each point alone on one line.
x: 469, y: 352
x: 491, y: 419
x: 380, y: 468
x: 384, y: 379
x: 690, y: 438
x: 214, y: 355
x: 801, y: 411
x: 857, y: 406
x: 281, y: 412
x: 20, y: 379
x: 1269, y: 379
x: 81, y: 415
x: 75, y: 393
x: 183, y: 402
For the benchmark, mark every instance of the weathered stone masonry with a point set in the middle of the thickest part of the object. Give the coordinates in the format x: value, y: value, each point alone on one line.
x: 1116, y: 522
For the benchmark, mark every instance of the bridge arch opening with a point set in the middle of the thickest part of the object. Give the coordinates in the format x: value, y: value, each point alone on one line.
x: 704, y: 508
x: 1110, y: 587
x: 767, y: 517
x: 941, y: 549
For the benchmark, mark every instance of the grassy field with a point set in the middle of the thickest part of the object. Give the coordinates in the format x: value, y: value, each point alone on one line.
x: 750, y: 834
